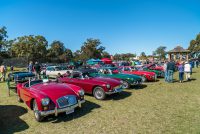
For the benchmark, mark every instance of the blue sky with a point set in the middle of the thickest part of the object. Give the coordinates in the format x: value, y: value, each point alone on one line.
x: 122, y: 25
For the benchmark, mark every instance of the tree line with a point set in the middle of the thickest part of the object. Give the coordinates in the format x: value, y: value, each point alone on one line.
x: 36, y: 47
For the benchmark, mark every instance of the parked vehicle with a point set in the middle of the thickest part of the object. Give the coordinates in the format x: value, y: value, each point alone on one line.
x: 127, y: 79
x: 46, y: 98
x: 159, y: 73
x: 146, y: 76
x: 53, y: 71
x: 20, y: 76
x: 98, y: 86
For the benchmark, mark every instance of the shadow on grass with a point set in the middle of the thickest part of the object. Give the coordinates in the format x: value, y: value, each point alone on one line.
x: 10, y: 121
x: 118, y: 96
x: 192, y: 79
x: 87, y: 107
x: 138, y: 87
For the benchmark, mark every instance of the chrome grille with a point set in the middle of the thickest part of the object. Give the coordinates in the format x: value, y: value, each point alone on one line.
x: 66, y: 101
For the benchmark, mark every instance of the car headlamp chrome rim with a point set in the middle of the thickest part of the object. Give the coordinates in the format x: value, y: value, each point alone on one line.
x: 108, y: 86
x: 81, y: 92
x: 45, y: 101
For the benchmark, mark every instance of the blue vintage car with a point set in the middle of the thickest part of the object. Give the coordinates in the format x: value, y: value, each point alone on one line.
x: 20, y: 76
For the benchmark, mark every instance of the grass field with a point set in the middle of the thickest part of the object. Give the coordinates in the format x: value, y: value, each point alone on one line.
x: 156, y: 107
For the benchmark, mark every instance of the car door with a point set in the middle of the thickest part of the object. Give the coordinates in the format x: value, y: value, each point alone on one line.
x: 25, y: 94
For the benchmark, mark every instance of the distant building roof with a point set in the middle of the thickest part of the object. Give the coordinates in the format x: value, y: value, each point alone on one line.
x: 179, y: 49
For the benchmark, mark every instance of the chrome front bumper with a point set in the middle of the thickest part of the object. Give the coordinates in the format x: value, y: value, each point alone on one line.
x: 115, y: 91
x: 61, y: 110
x: 136, y: 83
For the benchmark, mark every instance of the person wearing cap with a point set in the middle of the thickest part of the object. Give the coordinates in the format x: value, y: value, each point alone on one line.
x: 187, y: 70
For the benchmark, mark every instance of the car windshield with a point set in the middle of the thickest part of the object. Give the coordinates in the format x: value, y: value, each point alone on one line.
x: 58, y: 68
x: 90, y: 74
x: 31, y: 83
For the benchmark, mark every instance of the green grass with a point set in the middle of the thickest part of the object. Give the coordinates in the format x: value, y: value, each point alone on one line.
x: 158, y: 107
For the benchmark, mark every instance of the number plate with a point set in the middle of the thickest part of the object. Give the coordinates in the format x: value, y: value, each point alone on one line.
x: 70, y: 111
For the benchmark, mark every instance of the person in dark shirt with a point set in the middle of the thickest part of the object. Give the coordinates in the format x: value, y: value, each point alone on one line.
x: 37, y: 69
x: 171, y: 69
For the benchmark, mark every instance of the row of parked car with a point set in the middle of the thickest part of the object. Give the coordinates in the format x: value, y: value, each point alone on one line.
x: 66, y: 92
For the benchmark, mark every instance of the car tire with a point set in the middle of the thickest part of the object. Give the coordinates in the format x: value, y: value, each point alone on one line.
x: 37, y: 115
x: 144, y: 79
x: 99, y: 93
x: 126, y: 84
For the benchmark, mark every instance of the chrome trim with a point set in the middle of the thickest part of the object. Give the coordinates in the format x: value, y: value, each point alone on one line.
x: 60, y: 110
x: 115, y: 90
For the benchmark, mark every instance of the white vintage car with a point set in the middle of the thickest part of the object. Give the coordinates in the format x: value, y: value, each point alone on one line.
x: 52, y: 71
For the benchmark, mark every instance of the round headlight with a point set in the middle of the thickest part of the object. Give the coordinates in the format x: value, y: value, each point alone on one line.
x: 45, y: 101
x: 108, y: 86
x: 81, y: 92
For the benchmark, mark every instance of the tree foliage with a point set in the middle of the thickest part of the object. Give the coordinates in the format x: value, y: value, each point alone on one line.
x: 3, y: 36
x: 195, y: 44
x: 31, y: 47
x: 90, y: 49
x: 125, y: 56
x: 161, y: 52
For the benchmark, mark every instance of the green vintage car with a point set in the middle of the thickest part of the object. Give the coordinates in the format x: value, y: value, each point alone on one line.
x: 127, y: 79
x: 158, y: 72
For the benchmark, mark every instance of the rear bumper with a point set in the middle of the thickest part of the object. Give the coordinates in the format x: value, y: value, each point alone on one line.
x: 61, y: 110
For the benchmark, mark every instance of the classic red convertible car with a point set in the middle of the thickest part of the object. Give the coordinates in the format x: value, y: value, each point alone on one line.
x: 98, y: 86
x: 46, y: 98
x: 146, y: 76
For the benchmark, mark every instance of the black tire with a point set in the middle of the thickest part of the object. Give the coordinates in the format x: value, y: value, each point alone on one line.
x: 126, y: 84
x: 144, y: 79
x: 37, y: 115
x: 99, y: 93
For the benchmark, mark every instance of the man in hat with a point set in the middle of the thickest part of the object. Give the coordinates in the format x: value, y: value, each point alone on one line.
x: 187, y: 70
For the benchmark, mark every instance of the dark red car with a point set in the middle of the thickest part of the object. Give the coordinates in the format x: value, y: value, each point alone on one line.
x: 46, y: 98
x: 146, y: 76
x: 98, y: 86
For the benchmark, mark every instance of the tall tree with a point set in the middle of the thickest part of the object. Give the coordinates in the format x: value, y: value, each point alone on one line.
x: 143, y: 56
x: 160, y: 51
x: 3, y: 36
x: 195, y: 44
x: 32, y: 47
x: 91, y: 49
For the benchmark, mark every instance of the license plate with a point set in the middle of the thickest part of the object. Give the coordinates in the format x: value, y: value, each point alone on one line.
x: 70, y: 111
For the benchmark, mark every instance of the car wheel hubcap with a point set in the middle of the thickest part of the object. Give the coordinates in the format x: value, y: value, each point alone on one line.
x: 143, y: 79
x: 99, y: 94
x: 125, y: 84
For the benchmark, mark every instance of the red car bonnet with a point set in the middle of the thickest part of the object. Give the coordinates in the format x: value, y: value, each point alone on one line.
x: 54, y: 90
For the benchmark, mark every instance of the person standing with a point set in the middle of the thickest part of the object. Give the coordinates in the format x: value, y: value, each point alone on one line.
x: 181, y: 72
x: 3, y: 72
x: 187, y: 70
x: 37, y: 69
x: 30, y: 66
x: 166, y: 71
x: 171, y: 69
x: 197, y: 63
x: 11, y: 68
